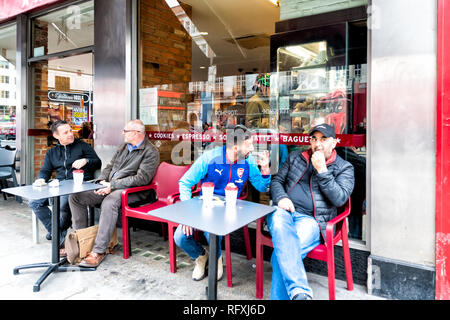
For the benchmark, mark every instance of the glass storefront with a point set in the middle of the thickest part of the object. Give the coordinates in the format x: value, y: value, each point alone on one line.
x: 63, y: 30
x: 62, y: 85
x: 8, y: 92
x: 204, y: 66
x: 322, y: 78
x: 201, y: 64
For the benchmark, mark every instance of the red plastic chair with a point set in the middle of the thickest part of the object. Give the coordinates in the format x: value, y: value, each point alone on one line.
x: 165, y: 184
x: 227, y: 240
x: 323, y: 252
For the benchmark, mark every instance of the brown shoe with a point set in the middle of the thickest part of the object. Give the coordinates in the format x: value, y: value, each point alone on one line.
x: 93, y: 259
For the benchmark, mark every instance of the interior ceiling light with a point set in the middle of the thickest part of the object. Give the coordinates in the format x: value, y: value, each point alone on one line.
x: 275, y: 2
x: 63, y: 35
x: 301, y: 52
x: 172, y: 3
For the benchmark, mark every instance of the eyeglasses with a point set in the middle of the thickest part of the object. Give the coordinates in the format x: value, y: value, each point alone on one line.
x: 125, y: 131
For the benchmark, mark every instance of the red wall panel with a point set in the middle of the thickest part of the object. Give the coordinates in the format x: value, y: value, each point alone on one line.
x: 443, y: 153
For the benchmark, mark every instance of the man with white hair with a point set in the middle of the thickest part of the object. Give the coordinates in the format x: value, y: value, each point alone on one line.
x: 133, y: 165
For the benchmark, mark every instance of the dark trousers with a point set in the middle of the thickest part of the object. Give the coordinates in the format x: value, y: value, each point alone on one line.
x: 111, y: 205
x: 41, y: 210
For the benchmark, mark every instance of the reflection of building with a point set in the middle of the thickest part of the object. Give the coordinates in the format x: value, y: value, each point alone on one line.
x: 387, y: 87
x: 7, y: 87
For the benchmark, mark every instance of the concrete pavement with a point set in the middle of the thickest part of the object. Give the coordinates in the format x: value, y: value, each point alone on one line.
x: 144, y: 276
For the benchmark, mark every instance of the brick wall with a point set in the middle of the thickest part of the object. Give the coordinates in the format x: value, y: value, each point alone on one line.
x: 290, y: 9
x: 40, y: 95
x: 166, y: 56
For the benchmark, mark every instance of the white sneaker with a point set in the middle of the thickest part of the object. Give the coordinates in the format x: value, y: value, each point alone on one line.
x: 219, y: 268
x: 200, y: 266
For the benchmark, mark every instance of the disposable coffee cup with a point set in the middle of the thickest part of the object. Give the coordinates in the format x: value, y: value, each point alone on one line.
x: 207, y: 192
x: 78, y: 176
x: 231, y: 191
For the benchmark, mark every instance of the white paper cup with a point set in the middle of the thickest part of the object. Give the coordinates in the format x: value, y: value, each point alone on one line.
x: 78, y: 176
x: 208, y: 192
x: 231, y: 192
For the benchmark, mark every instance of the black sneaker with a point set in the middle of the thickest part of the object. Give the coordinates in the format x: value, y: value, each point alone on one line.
x: 48, y: 236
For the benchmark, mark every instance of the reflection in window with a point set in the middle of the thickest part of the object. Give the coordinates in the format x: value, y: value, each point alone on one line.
x: 65, y: 29
x: 191, y: 29
x: 205, y: 66
x: 8, y: 94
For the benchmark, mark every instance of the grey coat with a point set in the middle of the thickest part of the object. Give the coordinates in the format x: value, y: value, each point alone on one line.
x: 328, y: 190
x: 131, y: 169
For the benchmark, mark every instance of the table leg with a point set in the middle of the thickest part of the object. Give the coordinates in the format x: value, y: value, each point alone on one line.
x: 57, y: 264
x: 212, y: 264
x: 55, y: 229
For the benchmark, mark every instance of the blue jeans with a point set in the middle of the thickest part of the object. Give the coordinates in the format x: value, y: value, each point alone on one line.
x: 293, y: 236
x: 192, y: 247
x: 40, y: 208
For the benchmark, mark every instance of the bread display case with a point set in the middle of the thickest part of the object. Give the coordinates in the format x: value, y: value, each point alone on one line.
x: 322, y: 78
x: 312, y: 91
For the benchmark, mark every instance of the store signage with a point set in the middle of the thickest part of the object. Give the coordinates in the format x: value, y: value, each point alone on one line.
x: 344, y: 140
x: 79, y: 115
x: 11, y: 8
x: 39, y: 51
x: 68, y: 96
x: 148, y: 105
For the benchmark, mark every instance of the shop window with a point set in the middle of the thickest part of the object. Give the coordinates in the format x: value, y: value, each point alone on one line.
x: 205, y: 65
x: 62, y: 30
x: 62, y: 87
x: 322, y: 78
x: 63, y: 90
x: 7, y: 85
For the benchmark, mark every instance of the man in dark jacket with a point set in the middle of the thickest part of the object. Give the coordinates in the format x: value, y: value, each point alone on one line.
x: 68, y: 155
x: 133, y: 165
x: 307, y: 190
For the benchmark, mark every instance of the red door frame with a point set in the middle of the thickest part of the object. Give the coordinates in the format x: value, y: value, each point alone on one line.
x: 443, y: 152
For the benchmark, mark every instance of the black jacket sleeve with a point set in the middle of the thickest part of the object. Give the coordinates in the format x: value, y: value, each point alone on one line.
x: 94, y: 162
x: 277, y: 190
x: 337, y: 189
x: 47, y: 168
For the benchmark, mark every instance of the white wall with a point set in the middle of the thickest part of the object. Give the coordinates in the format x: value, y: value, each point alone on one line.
x: 402, y: 130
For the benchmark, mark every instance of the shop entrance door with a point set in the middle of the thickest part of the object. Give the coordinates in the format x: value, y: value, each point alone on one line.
x: 60, y: 78
x: 62, y: 90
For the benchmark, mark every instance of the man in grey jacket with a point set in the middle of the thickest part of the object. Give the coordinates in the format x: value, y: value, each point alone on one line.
x: 308, y: 189
x: 133, y: 165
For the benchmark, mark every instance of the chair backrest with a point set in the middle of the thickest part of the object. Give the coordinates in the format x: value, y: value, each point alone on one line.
x: 342, y: 212
x: 7, y: 157
x: 166, y: 179
x: 244, y: 192
x: 345, y: 208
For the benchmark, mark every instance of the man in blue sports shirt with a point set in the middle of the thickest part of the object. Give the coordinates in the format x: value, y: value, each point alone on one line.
x: 232, y: 163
